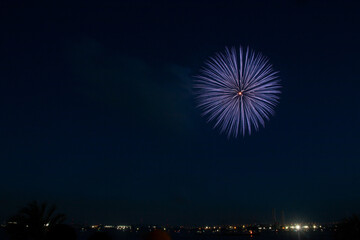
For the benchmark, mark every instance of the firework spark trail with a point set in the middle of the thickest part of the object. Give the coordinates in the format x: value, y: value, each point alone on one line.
x: 237, y: 91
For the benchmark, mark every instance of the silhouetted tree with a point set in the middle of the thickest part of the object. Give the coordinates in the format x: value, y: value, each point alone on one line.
x: 349, y: 229
x: 33, y: 221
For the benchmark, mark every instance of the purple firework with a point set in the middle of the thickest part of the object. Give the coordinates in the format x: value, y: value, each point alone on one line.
x: 237, y: 91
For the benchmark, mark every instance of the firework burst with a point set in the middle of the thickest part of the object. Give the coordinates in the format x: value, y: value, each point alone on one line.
x: 237, y: 91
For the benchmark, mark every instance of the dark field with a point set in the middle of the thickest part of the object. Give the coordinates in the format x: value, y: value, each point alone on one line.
x: 183, y: 236
x: 262, y: 236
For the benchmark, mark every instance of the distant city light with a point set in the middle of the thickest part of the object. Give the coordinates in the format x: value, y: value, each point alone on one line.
x: 250, y: 229
x: 124, y: 227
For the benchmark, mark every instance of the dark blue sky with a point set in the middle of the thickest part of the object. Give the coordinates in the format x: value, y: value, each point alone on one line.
x: 98, y: 115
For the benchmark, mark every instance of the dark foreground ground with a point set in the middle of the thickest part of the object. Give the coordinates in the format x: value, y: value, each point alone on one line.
x: 182, y: 236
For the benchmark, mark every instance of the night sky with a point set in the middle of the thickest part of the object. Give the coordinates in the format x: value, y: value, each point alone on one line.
x: 98, y: 113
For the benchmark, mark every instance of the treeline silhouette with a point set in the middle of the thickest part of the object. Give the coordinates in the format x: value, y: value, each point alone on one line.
x: 40, y: 222
x: 348, y: 229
